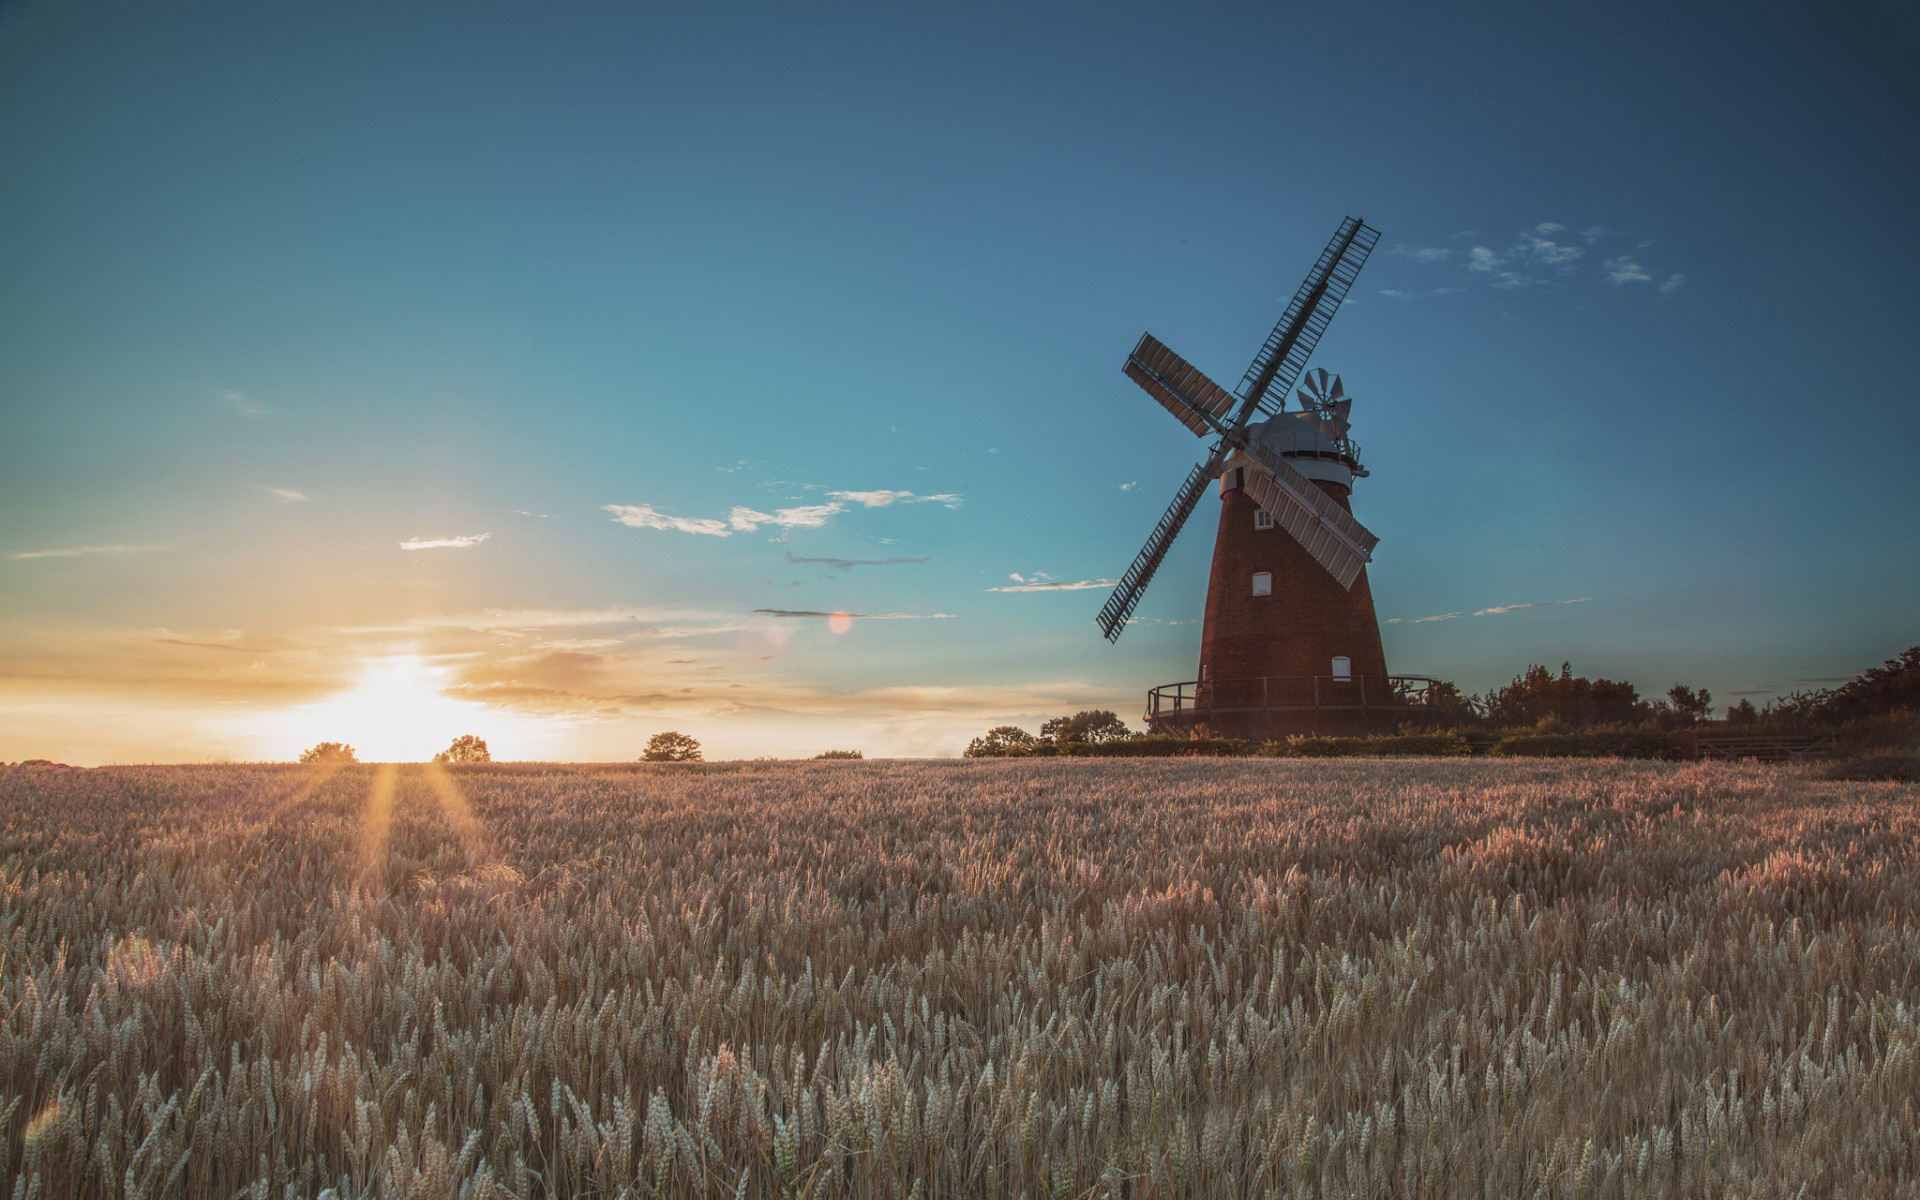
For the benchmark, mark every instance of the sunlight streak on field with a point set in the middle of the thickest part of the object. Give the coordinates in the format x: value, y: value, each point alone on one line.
x: 457, y: 813
x: 376, y: 823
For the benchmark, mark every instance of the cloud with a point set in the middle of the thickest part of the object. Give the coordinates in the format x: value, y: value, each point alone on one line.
x: 741, y: 519
x: 1480, y: 258
x: 1624, y: 270
x: 1396, y: 294
x: 461, y: 542
x: 1493, y: 610
x: 238, y: 404
x: 646, y: 516
x: 796, y: 613
x: 804, y: 516
x: 1127, y: 487
x: 847, y: 564
x: 882, y: 498
x: 1424, y: 254
x: 284, y: 494
x: 1035, y: 585
x: 83, y: 551
x: 1546, y: 227
x: 1673, y: 284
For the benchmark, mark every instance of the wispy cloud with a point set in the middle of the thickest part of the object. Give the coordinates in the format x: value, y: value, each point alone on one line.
x: 882, y: 498
x: 83, y: 551
x: 462, y: 542
x: 646, y: 516
x: 1127, y: 487
x: 1545, y: 255
x: 799, y: 613
x: 1624, y: 270
x: 741, y: 519
x: 240, y: 405
x: 847, y: 564
x: 1492, y: 610
x: 285, y: 495
x: 1042, y: 584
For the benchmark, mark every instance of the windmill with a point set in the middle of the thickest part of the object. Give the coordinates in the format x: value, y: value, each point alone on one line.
x: 1290, y: 640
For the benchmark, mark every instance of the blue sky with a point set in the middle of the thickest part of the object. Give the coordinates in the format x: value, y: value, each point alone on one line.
x: 287, y: 290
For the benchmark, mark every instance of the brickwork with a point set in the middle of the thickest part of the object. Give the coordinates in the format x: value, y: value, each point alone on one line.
x: 1293, y: 633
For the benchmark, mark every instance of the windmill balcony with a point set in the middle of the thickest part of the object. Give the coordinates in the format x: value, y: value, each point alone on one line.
x: 1272, y: 707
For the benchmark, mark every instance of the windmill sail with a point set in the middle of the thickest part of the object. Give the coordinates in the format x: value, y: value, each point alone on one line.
x: 1119, y: 606
x: 1292, y: 341
x: 1198, y: 402
x: 1316, y: 520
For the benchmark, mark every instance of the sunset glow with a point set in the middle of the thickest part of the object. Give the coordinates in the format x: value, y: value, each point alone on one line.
x: 399, y: 710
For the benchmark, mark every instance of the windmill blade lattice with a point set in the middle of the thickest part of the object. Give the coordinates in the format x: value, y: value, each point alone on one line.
x: 1120, y: 605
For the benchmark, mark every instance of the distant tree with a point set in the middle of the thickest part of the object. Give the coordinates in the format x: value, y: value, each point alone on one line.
x: 1572, y: 700
x: 1002, y: 741
x: 1092, y: 726
x: 329, y: 752
x: 1893, y: 686
x: 846, y: 754
x: 1743, y: 713
x: 1797, y: 707
x: 671, y: 747
x: 1690, y: 705
x: 465, y: 749
x: 1450, y: 702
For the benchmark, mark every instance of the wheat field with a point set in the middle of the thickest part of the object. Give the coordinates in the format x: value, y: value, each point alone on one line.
x: 1023, y: 978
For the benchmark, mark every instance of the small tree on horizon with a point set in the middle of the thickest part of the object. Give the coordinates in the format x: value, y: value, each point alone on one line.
x: 1690, y: 705
x: 671, y: 746
x: 465, y: 749
x: 329, y: 752
x: 1092, y: 726
x: 1002, y: 741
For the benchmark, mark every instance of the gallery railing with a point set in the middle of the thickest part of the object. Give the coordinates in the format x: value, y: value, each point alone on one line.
x: 1183, y: 701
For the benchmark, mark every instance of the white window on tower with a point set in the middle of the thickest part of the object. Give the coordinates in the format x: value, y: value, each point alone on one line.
x: 1263, y: 583
x: 1262, y: 519
x: 1342, y: 669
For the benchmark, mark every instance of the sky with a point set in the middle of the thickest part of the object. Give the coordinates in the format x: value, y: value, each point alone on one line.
x: 556, y: 373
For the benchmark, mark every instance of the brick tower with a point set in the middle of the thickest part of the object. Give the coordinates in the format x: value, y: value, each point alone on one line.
x: 1284, y: 648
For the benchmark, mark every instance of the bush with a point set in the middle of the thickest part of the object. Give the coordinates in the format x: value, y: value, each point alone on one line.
x: 671, y: 747
x: 1672, y: 745
x: 841, y: 754
x: 1446, y: 744
x: 1156, y: 745
x: 1901, y: 766
x: 330, y: 752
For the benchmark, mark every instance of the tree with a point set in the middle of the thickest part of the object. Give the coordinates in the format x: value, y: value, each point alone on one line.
x: 1539, y: 695
x: 1092, y: 727
x: 844, y: 754
x: 1003, y: 741
x: 1743, y: 713
x: 465, y: 749
x: 671, y: 747
x: 330, y: 752
x: 1893, y: 686
x: 1691, y: 705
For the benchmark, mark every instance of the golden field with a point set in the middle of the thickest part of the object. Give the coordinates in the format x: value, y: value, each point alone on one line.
x: 1137, y: 978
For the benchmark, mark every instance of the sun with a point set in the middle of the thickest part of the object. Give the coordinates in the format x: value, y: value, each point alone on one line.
x: 398, y: 710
